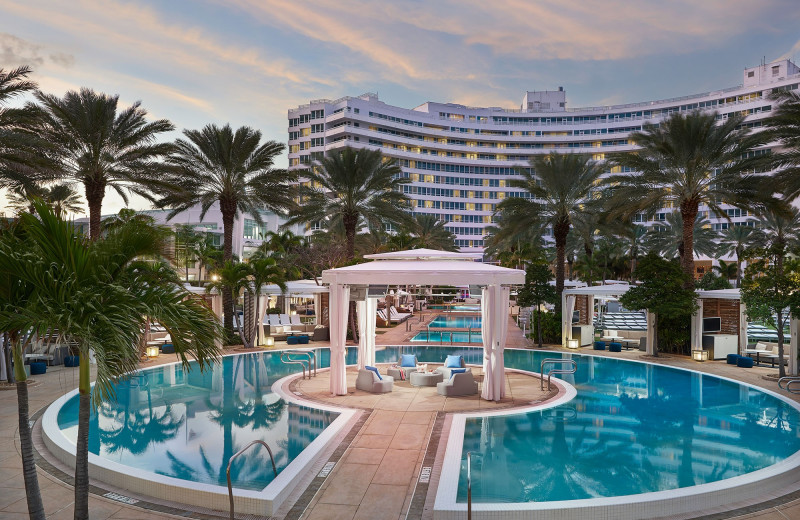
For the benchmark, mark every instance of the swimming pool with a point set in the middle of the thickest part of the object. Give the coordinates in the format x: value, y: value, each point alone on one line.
x: 448, y: 337
x: 457, y: 308
x: 455, y: 322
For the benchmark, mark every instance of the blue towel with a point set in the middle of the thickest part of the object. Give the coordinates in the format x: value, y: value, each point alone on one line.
x: 373, y: 369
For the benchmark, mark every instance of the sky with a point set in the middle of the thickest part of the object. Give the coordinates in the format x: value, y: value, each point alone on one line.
x: 246, y: 62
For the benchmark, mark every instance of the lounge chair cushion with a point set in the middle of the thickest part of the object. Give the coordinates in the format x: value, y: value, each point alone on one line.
x: 457, y: 371
x: 453, y: 362
x: 375, y: 371
x: 408, y: 360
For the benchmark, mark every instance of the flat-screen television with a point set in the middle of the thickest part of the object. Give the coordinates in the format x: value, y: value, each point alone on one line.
x: 712, y: 324
x: 576, y: 316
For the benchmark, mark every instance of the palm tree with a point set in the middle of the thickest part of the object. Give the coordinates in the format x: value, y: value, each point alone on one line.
x: 264, y: 271
x: 186, y: 240
x: 232, y: 279
x: 666, y: 238
x: 685, y: 161
x: 430, y: 232
x: 736, y: 240
x: 208, y: 256
x: 217, y: 165
x: 560, y: 189
x: 100, y: 294
x: 784, y: 126
x: 632, y: 236
x: 350, y: 185
x: 781, y: 231
x: 15, y: 292
x: 19, y: 150
x: 61, y: 197
x: 514, y: 228
x: 100, y: 147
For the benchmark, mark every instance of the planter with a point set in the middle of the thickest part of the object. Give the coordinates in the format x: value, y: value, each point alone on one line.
x: 72, y: 361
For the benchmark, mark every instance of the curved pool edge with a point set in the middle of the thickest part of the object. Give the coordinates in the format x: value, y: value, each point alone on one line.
x: 742, y: 488
x: 264, y: 502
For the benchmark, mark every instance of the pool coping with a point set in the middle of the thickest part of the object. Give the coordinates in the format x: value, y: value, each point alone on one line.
x: 264, y: 502
x: 644, y: 505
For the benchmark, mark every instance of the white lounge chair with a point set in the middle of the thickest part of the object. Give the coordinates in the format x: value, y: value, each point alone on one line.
x: 285, y: 320
x: 399, y: 317
x: 295, y: 319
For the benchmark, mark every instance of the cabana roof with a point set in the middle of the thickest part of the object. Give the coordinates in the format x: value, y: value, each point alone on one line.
x: 423, y: 272
x: 299, y: 288
x: 425, y: 254
x: 600, y: 290
x: 722, y: 294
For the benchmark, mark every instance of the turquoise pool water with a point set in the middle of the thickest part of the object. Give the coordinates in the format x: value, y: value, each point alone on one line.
x: 448, y: 337
x: 632, y: 428
x: 455, y: 322
x: 458, y: 308
x: 187, y: 425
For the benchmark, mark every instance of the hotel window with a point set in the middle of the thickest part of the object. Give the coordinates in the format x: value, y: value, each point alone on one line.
x: 776, y: 70
x: 304, y: 132
x: 317, y: 128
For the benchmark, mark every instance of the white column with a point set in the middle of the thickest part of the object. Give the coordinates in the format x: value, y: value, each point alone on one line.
x: 651, y: 337
x: 696, y: 334
x: 566, y: 321
x: 742, y: 327
x: 794, y: 329
x: 366, y: 330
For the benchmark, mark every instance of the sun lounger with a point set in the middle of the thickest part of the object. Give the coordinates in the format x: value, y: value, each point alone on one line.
x: 285, y: 320
x: 295, y: 319
x: 399, y: 317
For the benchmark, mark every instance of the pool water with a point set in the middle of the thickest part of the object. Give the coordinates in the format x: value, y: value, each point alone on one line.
x: 187, y: 425
x: 457, y: 308
x: 632, y: 428
x: 448, y: 337
x: 455, y: 322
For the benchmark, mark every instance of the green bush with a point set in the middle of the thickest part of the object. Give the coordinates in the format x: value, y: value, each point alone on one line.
x: 551, y: 327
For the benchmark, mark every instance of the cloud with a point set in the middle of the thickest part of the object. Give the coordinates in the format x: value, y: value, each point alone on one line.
x: 16, y: 51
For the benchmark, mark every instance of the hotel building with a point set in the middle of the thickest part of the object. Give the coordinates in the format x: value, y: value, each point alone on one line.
x: 459, y: 159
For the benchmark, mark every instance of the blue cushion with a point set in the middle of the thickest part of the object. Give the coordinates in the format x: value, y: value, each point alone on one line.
x: 453, y: 362
x: 72, y: 361
x: 38, y: 368
x: 599, y: 345
x: 615, y: 347
x: 373, y: 369
x: 292, y: 340
x: 303, y: 340
x: 744, y: 362
x: 408, y: 360
x: 167, y: 348
x: 457, y: 371
x: 733, y: 359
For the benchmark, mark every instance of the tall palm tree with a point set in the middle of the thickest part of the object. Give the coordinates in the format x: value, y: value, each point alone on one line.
x: 100, y: 146
x: 736, y: 240
x: 781, y: 231
x: 264, y: 271
x: 560, y: 188
x: 231, y: 278
x: 515, y: 229
x: 352, y: 184
x: 727, y: 271
x: 208, y: 256
x: 217, y: 165
x: 430, y: 232
x: 101, y: 293
x: 689, y: 160
x: 666, y: 237
x: 19, y: 150
x: 61, y: 197
x: 784, y: 126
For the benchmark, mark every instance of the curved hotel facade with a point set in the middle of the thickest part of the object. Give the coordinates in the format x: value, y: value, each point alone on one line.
x: 460, y: 158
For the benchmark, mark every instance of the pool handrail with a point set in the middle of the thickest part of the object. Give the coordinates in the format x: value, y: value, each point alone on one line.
x: 787, y: 380
x: 230, y: 461
x: 312, y: 357
x: 289, y: 361
x: 555, y: 371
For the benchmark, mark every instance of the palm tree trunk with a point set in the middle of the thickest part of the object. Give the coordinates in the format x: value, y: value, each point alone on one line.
x: 228, y: 214
x: 34, y: 496
x: 689, y: 214
x: 655, y: 335
x: 95, y: 191
x: 350, y: 222
x: 560, y: 231
x: 82, y: 443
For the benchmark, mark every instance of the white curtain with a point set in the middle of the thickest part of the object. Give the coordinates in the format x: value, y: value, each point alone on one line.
x: 366, y: 331
x: 651, y: 337
x: 742, y: 328
x: 318, y: 308
x: 216, y: 308
x: 569, y: 308
x: 794, y: 325
x: 339, y: 305
x: 487, y: 333
x: 697, y: 327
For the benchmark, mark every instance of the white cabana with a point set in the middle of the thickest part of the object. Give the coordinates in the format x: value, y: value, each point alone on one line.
x: 568, y: 301
x: 425, y: 267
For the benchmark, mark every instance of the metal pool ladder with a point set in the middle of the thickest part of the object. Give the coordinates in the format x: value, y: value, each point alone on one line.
x: 289, y: 361
x: 228, y: 470
x: 785, y: 383
x: 554, y: 361
x: 312, y: 359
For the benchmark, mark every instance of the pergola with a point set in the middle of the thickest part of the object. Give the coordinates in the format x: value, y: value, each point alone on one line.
x: 420, y: 267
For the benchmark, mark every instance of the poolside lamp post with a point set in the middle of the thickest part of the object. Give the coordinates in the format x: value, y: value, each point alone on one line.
x: 700, y: 355
x: 152, y: 352
x: 572, y: 343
